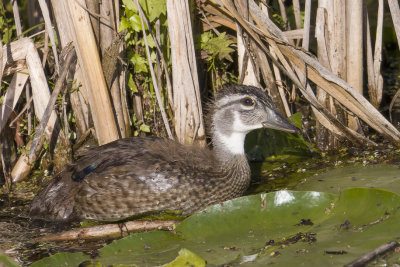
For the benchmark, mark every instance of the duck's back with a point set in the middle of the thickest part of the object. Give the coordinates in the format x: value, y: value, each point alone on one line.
x: 132, y: 176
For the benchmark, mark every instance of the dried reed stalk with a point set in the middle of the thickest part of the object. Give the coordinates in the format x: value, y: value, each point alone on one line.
x: 188, y: 114
x: 37, y: 141
x: 50, y: 32
x: 11, y: 97
x: 395, y: 12
x: 24, y: 48
x: 354, y: 48
x: 87, y: 51
x: 78, y: 98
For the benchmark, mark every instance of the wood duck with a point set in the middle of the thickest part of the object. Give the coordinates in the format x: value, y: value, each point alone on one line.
x: 137, y: 175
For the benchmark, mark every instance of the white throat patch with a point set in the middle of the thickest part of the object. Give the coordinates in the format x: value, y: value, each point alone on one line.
x: 234, y: 142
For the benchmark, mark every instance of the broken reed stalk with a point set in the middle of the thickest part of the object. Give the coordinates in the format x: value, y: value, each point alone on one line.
x: 248, y: 73
x: 49, y: 29
x: 354, y: 49
x: 2, y: 63
x: 78, y: 97
x: 111, y: 43
x: 7, y: 176
x: 93, y: 76
x: 188, y: 113
x: 282, y: 9
x: 296, y: 11
x: 278, y: 79
x: 11, y: 97
x: 378, y: 54
x: 110, y: 231
x: 24, y: 49
x: 153, y: 76
x: 17, y: 19
x: 307, y: 19
x: 395, y: 12
x: 370, y: 66
x: 38, y: 139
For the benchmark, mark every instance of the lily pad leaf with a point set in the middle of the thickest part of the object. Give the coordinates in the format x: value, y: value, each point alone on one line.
x: 383, y: 176
x: 7, y: 262
x: 187, y: 258
x: 62, y: 259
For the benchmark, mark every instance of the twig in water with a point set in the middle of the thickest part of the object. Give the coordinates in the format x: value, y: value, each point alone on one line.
x: 364, y: 259
x: 110, y: 230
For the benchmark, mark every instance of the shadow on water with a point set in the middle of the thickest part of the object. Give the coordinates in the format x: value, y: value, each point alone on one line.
x: 278, y: 159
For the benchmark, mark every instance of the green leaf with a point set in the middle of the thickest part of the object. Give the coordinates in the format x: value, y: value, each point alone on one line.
x: 129, y: 4
x: 296, y: 120
x: 284, y: 228
x: 186, y: 258
x: 144, y: 128
x: 7, y: 262
x: 153, y: 9
x: 150, y: 41
x: 139, y: 63
x: 62, y: 259
x: 135, y: 23
x: 383, y: 176
x: 156, y: 8
x: 125, y: 24
x: 132, y: 84
x: 217, y: 46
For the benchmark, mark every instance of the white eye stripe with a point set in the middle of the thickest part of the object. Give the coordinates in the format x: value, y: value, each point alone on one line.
x: 233, y: 99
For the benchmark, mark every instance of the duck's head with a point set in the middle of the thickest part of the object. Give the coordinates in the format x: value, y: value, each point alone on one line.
x: 239, y: 109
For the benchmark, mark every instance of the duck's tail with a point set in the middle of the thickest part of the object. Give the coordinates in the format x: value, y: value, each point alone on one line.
x: 56, y: 202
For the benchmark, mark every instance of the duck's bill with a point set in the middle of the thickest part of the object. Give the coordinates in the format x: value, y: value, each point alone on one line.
x: 277, y: 122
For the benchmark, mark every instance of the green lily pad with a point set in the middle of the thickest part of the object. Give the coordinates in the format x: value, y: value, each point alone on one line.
x: 285, y: 228
x: 62, y: 259
x: 187, y: 258
x: 383, y: 176
x: 7, y: 262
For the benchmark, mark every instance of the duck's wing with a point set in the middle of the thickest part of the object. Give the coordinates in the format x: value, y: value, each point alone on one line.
x: 127, y: 176
x: 159, y: 178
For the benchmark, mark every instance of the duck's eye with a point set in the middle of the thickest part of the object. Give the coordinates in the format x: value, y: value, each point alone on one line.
x: 248, y: 101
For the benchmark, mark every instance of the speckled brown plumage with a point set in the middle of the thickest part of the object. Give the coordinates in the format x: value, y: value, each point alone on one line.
x: 136, y: 175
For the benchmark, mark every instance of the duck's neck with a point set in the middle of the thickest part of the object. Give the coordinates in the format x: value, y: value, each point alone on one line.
x: 229, y: 152
x: 229, y: 149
